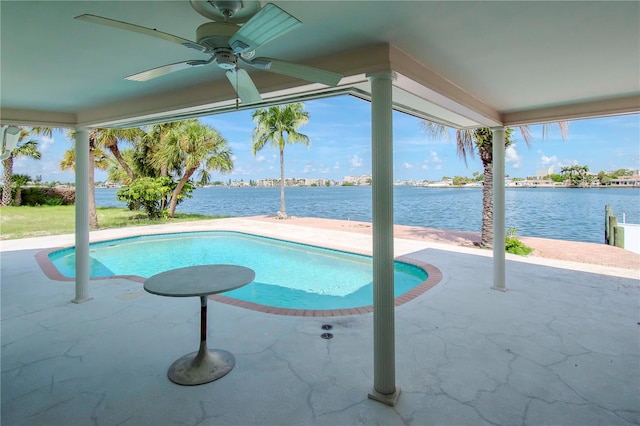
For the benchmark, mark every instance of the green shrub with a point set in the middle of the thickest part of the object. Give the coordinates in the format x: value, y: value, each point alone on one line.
x: 34, y: 196
x: 513, y: 245
x: 46, y: 196
x: 52, y: 201
x: 147, y: 192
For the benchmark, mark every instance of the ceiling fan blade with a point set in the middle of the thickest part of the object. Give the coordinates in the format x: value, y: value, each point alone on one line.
x: 264, y: 26
x: 163, y: 70
x: 303, y: 72
x: 141, y: 30
x: 243, y: 85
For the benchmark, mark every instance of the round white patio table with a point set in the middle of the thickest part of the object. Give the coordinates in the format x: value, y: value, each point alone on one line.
x: 205, y: 365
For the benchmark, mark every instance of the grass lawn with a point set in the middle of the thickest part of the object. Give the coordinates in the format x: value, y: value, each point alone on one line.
x: 26, y: 222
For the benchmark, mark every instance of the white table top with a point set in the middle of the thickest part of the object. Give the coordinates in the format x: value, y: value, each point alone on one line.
x: 200, y: 280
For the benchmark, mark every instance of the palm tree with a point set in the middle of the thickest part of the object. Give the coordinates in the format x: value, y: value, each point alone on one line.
x: 68, y: 161
x: 193, y: 145
x: 97, y: 159
x: 147, y: 149
x: 19, y: 181
x: 152, y: 141
x: 272, y: 125
x: 115, y: 172
x: 481, y: 139
x: 577, y: 175
x: 25, y: 148
x: 109, y: 138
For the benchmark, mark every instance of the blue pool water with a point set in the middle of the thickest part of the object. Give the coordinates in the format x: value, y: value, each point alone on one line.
x: 288, y: 275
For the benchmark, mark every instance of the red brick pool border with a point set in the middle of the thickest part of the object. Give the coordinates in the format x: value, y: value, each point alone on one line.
x: 434, y: 277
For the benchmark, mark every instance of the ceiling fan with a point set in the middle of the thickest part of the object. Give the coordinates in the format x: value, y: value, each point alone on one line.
x: 229, y: 44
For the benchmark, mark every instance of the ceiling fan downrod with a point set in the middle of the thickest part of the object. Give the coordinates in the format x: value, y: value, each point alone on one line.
x: 227, y: 8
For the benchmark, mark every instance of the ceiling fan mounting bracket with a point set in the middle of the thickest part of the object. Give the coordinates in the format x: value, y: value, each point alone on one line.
x: 235, y: 12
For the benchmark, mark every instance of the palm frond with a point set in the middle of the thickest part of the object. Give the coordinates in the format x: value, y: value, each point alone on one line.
x: 465, y: 144
x: 435, y: 130
x: 525, y: 131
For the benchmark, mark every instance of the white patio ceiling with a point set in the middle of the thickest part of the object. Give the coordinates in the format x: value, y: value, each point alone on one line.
x: 463, y: 63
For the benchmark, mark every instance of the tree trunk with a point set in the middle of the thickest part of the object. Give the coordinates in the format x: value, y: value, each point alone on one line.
x: 17, y: 200
x: 282, y: 214
x: 116, y: 153
x: 93, y: 215
x: 486, y: 235
x: 163, y: 172
x: 177, y: 190
x: 8, y: 177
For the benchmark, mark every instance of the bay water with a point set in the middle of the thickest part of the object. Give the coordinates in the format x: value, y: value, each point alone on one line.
x: 575, y: 214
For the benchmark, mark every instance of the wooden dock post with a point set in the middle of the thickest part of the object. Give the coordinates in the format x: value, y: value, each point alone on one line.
x: 607, y: 212
x: 613, y: 224
x: 618, y: 232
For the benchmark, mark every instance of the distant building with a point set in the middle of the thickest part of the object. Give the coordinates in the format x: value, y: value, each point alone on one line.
x: 358, y: 180
x: 628, y: 181
x: 544, y: 173
x: 534, y: 183
x: 441, y: 184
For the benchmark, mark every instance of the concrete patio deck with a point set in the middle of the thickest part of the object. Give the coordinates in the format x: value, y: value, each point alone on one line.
x: 561, y: 346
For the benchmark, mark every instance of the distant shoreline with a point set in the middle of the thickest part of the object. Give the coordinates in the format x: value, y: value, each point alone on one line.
x: 403, y: 185
x: 576, y: 215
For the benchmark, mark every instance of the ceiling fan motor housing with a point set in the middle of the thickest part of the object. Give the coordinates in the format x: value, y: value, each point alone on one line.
x: 215, y: 34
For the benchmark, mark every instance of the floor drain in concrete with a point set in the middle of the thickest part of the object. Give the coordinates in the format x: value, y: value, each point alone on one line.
x: 326, y: 336
x: 327, y: 327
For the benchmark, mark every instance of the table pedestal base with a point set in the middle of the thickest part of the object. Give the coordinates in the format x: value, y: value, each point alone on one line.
x: 201, y: 367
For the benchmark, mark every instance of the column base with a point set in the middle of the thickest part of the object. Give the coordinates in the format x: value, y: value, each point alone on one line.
x: 502, y: 289
x: 86, y: 299
x: 390, y: 399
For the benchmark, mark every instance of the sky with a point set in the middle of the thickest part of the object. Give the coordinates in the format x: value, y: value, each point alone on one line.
x: 339, y: 130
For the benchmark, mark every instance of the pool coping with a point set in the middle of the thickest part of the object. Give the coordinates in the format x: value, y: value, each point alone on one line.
x: 434, y: 276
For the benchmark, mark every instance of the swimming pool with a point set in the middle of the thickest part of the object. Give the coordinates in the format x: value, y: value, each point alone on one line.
x: 288, y: 275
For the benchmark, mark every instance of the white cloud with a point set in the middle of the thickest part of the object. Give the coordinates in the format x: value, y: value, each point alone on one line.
x: 337, y: 165
x: 356, y: 161
x: 548, y: 160
x: 434, y: 160
x: 565, y: 163
x: 308, y: 168
x: 260, y: 158
x: 238, y: 170
x: 407, y: 166
x: 234, y: 158
x: 512, y: 156
x: 45, y: 143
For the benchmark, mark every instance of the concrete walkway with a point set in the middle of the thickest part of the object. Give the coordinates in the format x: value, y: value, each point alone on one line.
x: 561, y: 346
x: 571, y: 251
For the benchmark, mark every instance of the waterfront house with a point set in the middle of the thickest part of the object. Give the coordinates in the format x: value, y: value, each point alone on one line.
x: 626, y: 181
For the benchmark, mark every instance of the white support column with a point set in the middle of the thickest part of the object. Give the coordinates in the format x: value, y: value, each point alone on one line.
x: 499, y: 276
x: 384, y: 375
x: 82, y: 216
